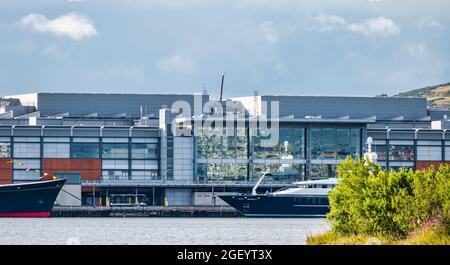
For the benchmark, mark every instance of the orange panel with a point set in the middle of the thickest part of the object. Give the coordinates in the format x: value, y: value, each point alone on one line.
x: 89, y: 169
x: 427, y: 164
x: 6, y: 163
x: 6, y: 171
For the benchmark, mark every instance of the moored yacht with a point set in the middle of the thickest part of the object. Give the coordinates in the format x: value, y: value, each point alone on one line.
x: 305, y: 199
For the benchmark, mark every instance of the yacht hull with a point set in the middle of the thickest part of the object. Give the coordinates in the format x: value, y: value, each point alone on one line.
x: 34, y: 199
x: 268, y: 205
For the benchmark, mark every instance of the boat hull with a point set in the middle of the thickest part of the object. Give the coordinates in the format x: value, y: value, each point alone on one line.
x: 278, y: 206
x: 35, y: 199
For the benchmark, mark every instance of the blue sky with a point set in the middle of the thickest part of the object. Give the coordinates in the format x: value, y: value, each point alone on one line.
x: 294, y: 47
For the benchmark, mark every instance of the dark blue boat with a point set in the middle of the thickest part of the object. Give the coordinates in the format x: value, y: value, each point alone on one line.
x: 304, y: 199
x: 34, y: 199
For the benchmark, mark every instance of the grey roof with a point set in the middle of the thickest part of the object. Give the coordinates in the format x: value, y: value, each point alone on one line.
x: 383, y: 108
x: 100, y: 104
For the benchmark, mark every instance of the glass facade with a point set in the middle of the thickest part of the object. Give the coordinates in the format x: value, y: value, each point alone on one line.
x: 220, y: 143
x: 84, y: 150
x: 335, y: 143
x: 27, y: 150
x: 320, y: 171
x: 144, y: 151
x: 381, y: 152
x: 56, y: 150
x: 222, y: 172
x: 285, y: 173
x: 115, y: 151
x: 401, y: 153
x: 327, y: 143
x: 291, y: 145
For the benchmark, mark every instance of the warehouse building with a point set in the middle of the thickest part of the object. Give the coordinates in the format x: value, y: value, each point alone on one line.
x: 157, y: 149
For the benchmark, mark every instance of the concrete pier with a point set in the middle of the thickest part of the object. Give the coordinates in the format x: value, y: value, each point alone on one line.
x: 146, y: 211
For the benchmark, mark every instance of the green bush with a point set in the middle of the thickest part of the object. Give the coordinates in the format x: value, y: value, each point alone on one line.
x: 370, y: 200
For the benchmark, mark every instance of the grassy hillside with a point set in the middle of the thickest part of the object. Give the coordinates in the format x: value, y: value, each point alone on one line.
x: 438, y: 96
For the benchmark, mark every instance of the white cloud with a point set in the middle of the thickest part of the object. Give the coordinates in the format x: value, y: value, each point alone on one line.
x: 371, y: 26
x: 325, y: 22
x: 428, y: 22
x: 176, y: 63
x: 72, y: 25
x: 415, y: 49
x: 379, y: 25
x: 270, y: 34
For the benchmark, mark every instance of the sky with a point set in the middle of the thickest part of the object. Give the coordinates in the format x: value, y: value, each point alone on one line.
x: 278, y: 47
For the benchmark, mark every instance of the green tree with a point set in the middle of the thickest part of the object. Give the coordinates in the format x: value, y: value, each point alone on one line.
x: 370, y: 200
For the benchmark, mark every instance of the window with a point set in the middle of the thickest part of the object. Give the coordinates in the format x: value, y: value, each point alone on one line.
x: 224, y: 172
x: 335, y: 143
x: 72, y: 178
x: 26, y: 175
x: 401, y: 152
x: 56, y: 150
x: 115, y: 174
x: 348, y: 143
x: 447, y: 153
x: 27, y: 150
x: 145, y: 175
x: 221, y: 143
x: 144, y: 151
x: 5, y: 150
x: 84, y: 150
x: 291, y: 145
x: 115, y: 151
x: 115, y: 164
x: 280, y: 172
x: 323, y: 171
x: 28, y: 164
x: 429, y: 153
x: 144, y: 164
x: 381, y: 152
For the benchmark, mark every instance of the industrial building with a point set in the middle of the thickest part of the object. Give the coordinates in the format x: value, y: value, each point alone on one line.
x: 128, y: 149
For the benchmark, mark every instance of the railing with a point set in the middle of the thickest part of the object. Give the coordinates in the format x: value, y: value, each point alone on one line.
x: 180, y: 183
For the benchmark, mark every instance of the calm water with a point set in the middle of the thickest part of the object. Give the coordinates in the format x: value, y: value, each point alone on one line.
x: 160, y: 231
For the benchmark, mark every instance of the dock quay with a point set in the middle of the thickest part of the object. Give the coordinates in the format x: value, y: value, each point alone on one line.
x: 145, y: 211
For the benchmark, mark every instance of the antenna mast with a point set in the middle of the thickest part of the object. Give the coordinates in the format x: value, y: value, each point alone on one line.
x: 221, y: 86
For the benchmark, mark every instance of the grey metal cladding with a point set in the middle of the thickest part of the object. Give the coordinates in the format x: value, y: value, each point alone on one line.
x: 379, y: 135
x: 402, y: 135
x: 107, y: 104
x: 116, y: 132
x: 86, y: 132
x: 5, y: 131
x: 356, y: 107
x: 27, y: 131
x: 429, y: 135
x: 56, y: 131
x: 140, y: 132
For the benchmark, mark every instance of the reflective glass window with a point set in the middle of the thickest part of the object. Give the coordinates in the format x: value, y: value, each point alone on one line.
x: 144, y: 151
x: 401, y: 152
x: 84, y: 150
x: 114, y: 151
